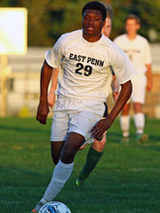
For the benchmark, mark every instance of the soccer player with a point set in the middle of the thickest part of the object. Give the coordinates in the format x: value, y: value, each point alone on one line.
x: 96, y: 150
x: 85, y: 56
x: 137, y: 49
x: 97, y: 147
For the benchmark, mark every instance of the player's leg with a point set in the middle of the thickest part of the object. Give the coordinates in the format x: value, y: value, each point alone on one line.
x: 73, y: 143
x: 125, y: 123
x: 79, y: 126
x: 93, y: 156
x: 63, y: 169
x: 99, y: 145
x: 138, y: 117
x: 138, y: 99
x: 56, y: 148
x: 59, y: 130
x: 139, y: 120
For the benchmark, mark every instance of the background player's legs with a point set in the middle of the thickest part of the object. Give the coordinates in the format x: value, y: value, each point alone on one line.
x: 138, y: 117
x: 125, y: 122
x: 139, y: 120
x: 138, y: 99
x: 63, y: 169
x: 94, y: 154
x: 99, y: 145
x: 56, y: 148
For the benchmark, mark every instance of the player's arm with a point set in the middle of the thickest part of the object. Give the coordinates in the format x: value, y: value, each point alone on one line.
x: 42, y: 111
x: 149, y: 77
x: 104, y: 124
x: 53, y: 58
x: 51, y: 95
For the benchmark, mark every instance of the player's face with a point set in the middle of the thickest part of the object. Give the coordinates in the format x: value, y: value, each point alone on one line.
x: 106, y: 30
x: 92, y: 25
x: 132, y: 26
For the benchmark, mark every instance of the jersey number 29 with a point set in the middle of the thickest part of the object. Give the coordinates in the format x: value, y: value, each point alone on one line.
x: 87, y: 69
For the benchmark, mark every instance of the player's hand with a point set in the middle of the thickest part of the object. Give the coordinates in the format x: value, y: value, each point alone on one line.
x: 103, y: 125
x: 51, y: 99
x: 149, y: 86
x: 42, y: 112
x: 115, y: 96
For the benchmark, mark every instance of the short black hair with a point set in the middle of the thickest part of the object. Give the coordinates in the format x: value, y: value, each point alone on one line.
x: 95, y: 5
x: 132, y: 16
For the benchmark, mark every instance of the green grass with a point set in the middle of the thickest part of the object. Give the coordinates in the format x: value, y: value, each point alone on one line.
x: 126, y: 180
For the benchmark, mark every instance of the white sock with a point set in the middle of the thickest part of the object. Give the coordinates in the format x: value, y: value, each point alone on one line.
x: 125, y: 124
x: 61, y: 174
x: 139, y: 121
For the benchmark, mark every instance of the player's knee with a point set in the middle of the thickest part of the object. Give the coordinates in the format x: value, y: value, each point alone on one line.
x: 125, y: 113
x: 67, y: 154
x: 99, y: 145
x: 125, y: 110
x: 138, y: 107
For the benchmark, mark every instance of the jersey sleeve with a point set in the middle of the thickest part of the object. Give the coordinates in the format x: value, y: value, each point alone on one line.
x: 123, y: 69
x: 53, y: 57
x: 147, y: 56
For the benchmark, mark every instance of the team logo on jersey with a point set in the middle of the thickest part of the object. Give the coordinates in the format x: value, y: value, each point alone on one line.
x: 88, y: 60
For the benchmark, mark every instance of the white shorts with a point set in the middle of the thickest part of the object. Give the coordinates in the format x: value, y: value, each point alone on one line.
x: 139, y: 89
x: 74, y: 115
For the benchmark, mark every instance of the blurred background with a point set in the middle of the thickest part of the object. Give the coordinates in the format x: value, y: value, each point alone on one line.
x: 47, y: 20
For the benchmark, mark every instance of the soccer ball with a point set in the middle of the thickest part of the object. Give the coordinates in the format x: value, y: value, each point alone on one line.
x: 54, y: 207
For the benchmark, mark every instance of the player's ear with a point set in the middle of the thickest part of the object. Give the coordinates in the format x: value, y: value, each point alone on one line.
x: 138, y: 26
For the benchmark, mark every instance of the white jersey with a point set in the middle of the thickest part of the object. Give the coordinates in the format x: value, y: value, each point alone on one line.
x: 137, y: 50
x: 86, y: 66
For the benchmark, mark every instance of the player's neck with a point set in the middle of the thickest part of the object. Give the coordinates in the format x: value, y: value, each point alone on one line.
x: 131, y: 36
x: 91, y: 38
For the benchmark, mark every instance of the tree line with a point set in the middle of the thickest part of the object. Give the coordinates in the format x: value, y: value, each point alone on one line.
x: 48, y: 19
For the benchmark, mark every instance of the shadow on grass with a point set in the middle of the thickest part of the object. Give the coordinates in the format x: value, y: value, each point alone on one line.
x: 23, y: 129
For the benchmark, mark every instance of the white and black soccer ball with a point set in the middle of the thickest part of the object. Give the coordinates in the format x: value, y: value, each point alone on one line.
x: 54, y: 207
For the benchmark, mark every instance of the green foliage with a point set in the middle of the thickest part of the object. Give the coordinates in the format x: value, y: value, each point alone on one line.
x: 147, y: 10
x: 48, y: 19
x: 126, y: 180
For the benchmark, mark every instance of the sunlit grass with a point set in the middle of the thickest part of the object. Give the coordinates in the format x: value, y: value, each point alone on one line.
x: 126, y: 180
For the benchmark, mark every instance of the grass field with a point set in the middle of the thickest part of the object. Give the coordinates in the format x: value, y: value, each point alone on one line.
x: 127, y: 179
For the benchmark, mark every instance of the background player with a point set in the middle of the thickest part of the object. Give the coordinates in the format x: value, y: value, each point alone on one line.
x: 85, y: 56
x: 137, y: 49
